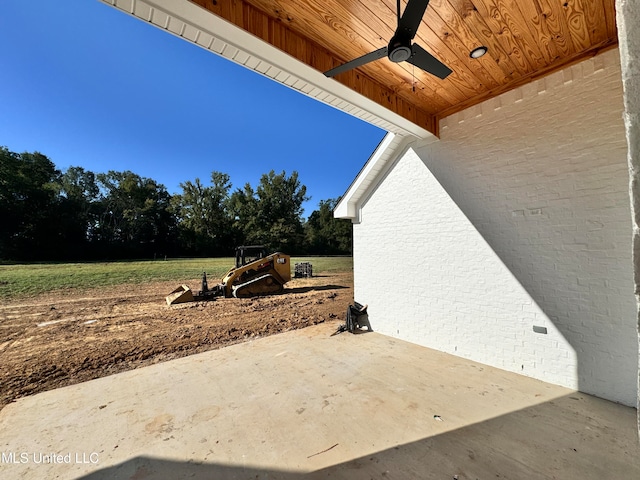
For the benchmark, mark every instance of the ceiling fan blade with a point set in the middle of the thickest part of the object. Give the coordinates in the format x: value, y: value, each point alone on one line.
x: 427, y: 62
x: 369, y: 57
x: 411, y: 18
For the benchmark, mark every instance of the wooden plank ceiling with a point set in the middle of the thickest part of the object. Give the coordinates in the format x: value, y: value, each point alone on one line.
x: 526, y: 39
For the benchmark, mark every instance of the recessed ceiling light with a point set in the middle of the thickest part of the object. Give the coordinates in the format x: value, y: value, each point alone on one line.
x: 478, y: 52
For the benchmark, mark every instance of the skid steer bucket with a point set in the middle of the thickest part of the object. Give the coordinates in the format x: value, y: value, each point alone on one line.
x: 182, y: 294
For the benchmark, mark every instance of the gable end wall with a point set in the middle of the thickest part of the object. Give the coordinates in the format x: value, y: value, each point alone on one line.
x: 516, y: 223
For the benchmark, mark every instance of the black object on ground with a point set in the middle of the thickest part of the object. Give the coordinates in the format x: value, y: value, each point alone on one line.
x: 357, y: 318
x: 303, y: 270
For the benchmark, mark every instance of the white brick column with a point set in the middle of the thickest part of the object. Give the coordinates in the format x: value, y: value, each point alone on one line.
x: 628, y: 19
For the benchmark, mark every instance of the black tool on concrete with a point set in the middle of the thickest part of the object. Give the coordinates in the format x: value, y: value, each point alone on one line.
x: 357, y: 317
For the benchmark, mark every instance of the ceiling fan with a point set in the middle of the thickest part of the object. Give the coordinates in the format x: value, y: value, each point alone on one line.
x: 400, y: 48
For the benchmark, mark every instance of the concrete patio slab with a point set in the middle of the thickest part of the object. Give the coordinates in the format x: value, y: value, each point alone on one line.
x: 307, y: 404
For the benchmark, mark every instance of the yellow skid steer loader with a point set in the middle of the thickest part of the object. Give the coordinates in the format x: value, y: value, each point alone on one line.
x: 255, y: 273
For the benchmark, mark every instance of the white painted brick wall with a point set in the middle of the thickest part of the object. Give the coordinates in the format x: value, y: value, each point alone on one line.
x: 518, y: 217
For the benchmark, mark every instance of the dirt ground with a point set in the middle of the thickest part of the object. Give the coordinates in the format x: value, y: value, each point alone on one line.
x: 57, y: 340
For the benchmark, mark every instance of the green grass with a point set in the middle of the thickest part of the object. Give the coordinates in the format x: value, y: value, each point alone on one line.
x: 326, y: 264
x: 29, y: 280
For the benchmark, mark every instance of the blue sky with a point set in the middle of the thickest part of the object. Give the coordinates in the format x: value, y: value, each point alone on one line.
x: 90, y: 86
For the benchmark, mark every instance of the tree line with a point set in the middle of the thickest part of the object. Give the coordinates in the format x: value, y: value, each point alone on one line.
x: 77, y: 214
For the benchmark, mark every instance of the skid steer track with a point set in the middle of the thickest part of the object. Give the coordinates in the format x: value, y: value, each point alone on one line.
x: 264, y: 285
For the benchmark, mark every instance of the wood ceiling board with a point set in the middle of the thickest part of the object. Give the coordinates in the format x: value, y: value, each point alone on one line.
x: 457, y: 87
x: 356, y: 31
x: 477, y: 24
x: 528, y: 78
x: 575, y: 17
x: 273, y: 31
x: 398, y: 77
x: 452, y: 21
x: 596, y: 20
x: 503, y: 29
x: 467, y: 77
x: 308, y: 17
x: 540, y: 33
x: 610, y: 19
x: 526, y: 39
x: 555, y: 23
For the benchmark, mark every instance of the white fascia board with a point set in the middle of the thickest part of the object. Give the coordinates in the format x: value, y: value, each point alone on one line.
x: 383, y: 158
x: 347, y: 207
x: 310, y: 81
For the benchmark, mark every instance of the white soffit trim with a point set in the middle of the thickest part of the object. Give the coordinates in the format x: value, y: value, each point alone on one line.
x: 386, y: 151
x: 192, y: 23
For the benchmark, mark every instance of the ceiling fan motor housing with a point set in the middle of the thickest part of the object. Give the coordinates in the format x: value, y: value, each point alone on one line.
x: 399, y: 50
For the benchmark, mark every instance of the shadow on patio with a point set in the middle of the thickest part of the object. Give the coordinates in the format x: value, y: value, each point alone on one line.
x: 305, y: 403
x: 572, y: 437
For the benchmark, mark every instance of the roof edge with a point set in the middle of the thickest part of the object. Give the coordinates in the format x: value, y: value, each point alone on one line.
x: 196, y: 25
x: 390, y: 145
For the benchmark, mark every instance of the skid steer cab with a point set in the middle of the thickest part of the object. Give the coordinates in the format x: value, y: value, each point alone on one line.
x: 255, y: 273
